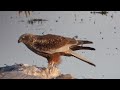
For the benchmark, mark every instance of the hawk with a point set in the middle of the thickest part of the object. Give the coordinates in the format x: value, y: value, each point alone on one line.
x: 53, y: 46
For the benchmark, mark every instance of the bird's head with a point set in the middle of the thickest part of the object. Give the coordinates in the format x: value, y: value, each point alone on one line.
x: 24, y: 38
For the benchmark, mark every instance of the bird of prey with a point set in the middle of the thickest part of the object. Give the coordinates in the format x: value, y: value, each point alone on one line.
x: 53, y: 46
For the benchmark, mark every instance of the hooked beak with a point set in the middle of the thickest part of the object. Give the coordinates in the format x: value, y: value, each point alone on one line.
x: 19, y: 40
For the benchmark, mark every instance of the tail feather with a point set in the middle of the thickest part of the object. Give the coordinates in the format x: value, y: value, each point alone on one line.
x: 81, y: 48
x: 84, y: 42
x: 81, y: 57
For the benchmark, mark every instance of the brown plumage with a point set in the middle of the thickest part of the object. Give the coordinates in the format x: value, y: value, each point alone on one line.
x: 53, y: 46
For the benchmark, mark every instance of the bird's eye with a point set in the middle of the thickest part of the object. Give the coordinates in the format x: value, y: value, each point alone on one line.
x: 23, y: 37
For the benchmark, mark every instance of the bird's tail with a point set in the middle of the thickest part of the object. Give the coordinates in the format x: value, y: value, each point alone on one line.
x: 81, y: 48
x: 80, y: 57
x: 84, y: 42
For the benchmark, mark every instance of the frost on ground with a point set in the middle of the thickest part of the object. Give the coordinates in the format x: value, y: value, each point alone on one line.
x: 25, y: 71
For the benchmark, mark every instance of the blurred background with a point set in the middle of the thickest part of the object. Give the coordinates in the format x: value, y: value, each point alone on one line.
x: 101, y: 27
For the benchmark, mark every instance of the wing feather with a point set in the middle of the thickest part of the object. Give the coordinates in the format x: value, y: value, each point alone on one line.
x: 50, y: 42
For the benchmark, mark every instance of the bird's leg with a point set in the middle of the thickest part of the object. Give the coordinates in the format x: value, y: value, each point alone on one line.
x: 54, y: 61
x: 50, y: 66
